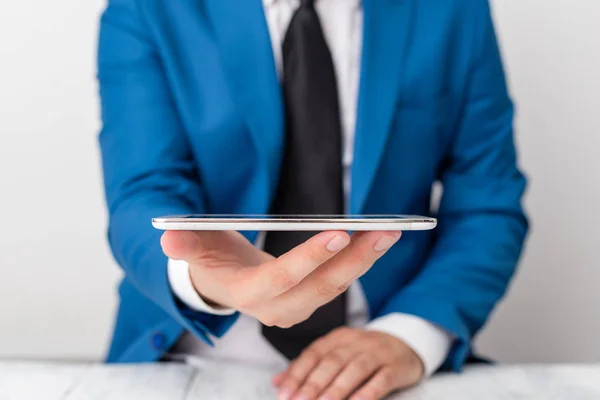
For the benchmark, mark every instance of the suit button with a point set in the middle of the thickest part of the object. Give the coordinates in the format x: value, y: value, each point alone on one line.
x: 159, y: 341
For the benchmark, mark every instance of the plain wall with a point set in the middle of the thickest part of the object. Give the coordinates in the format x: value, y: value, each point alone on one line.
x: 552, y: 51
x: 58, y: 280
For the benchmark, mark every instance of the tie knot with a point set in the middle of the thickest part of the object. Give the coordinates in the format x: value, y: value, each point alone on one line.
x: 307, y: 3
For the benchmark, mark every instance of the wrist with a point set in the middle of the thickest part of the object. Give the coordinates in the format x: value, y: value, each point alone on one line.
x: 206, y: 289
x: 413, y: 359
x: 429, y: 342
x: 181, y: 285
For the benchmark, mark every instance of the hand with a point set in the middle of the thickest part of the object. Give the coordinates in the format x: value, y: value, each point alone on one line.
x: 229, y: 271
x: 365, y: 364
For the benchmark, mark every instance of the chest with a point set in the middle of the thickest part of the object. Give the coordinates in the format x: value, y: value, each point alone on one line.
x: 401, y: 88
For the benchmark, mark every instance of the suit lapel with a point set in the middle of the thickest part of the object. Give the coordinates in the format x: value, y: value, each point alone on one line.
x: 386, y: 33
x: 243, y: 39
x: 244, y: 43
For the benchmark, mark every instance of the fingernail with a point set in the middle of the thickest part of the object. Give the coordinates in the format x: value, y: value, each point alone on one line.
x: 385, y: 242
x: 337, y: 243
x: 277, y: 379
x: 284, y: 394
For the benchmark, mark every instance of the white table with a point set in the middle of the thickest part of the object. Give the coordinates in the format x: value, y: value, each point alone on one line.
x: 211, y: 380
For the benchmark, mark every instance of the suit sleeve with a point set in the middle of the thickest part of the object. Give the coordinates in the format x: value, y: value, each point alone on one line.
x: 482, y: 226
x: 149, y: 170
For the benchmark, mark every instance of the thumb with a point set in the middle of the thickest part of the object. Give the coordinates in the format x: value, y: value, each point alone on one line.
x: 184, y: 245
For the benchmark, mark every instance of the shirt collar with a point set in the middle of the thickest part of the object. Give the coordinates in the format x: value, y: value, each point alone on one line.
x: 269, y: 3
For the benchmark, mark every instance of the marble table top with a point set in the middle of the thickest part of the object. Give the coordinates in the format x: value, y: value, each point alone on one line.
x: 209, y: 380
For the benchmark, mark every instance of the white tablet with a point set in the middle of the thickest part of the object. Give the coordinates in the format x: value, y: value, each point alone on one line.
x: 294, y: 223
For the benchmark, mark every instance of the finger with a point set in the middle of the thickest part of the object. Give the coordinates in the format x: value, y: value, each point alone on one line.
x: 297, y: 373
x: 356, y: 372
x: 385, y: 381
x: 281, y: 274
x: 335, y: 276
x: 301, y: 367
x: 278, y: 379
x: 327, y: 370
x: 192, y: 245
x: 177, y: 245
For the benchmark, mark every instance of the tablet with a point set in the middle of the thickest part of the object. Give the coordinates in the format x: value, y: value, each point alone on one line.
x: 294, y: 223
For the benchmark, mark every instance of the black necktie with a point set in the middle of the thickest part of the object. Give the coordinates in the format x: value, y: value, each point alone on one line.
x: 311, y: 175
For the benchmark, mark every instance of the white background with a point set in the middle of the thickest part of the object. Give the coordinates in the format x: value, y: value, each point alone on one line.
x: 57, y: 279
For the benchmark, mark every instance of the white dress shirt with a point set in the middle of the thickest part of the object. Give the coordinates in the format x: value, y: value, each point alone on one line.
x: 342, y: 22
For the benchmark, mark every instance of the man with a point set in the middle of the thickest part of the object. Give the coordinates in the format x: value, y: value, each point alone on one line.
x: 304, y: 107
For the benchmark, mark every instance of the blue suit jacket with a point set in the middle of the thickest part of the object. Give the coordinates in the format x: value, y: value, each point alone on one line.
x: 193, y: 123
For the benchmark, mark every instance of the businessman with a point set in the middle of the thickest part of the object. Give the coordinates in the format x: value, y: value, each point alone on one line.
x: 308, y: 107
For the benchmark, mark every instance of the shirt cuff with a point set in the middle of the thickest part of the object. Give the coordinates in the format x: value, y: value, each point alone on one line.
x: 430, y: 342
x: 182, y: 286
